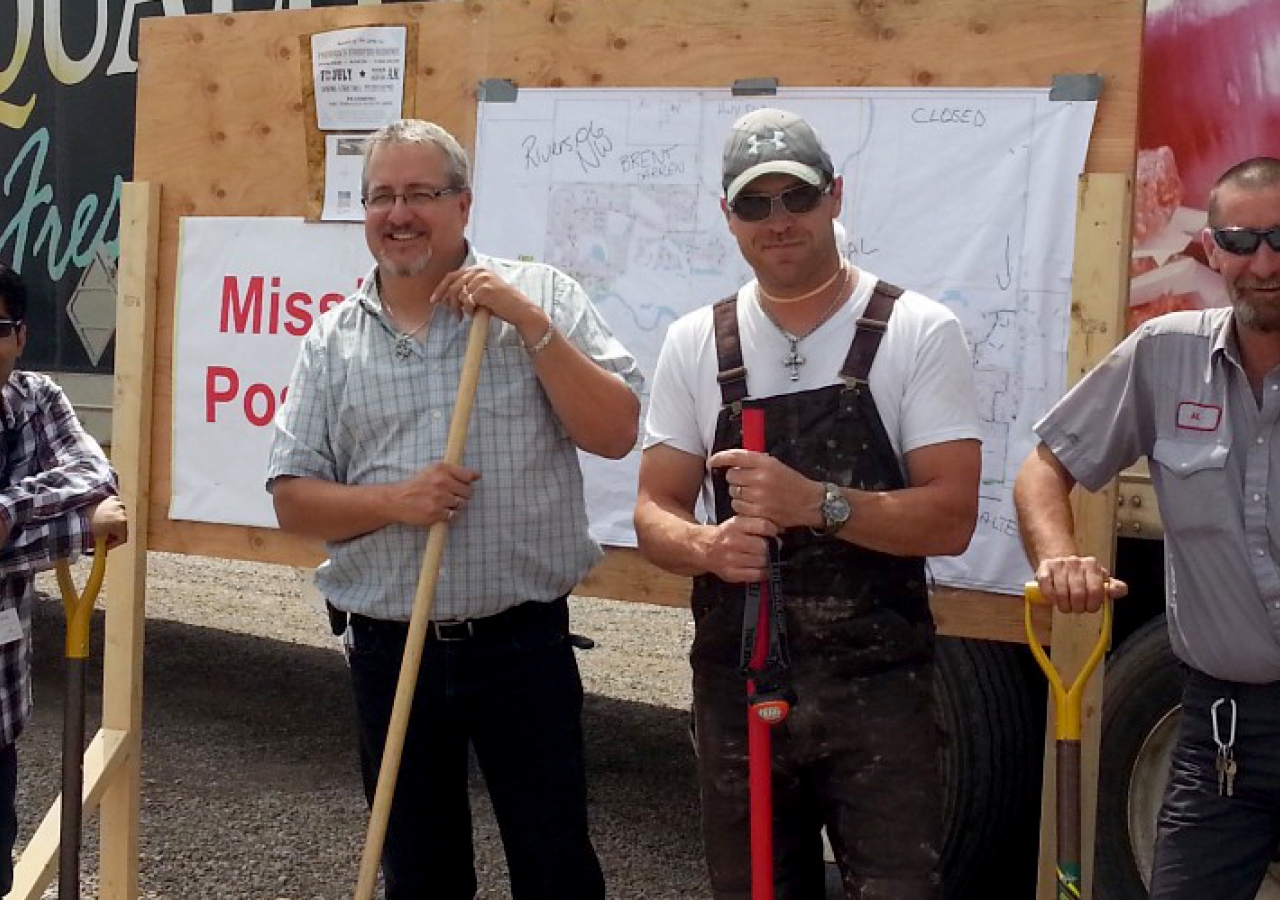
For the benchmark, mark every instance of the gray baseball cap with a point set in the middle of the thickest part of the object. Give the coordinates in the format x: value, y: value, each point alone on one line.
x: 770, y: 141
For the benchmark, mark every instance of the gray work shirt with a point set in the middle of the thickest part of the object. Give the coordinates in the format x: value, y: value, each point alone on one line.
x: 356, y: 413
x: 1175, y: 392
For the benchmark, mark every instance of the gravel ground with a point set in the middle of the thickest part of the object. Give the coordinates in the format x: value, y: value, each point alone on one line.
x: 250, y: 778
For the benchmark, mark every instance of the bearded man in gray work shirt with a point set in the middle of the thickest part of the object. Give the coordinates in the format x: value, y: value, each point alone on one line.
x: 1198, y: 393
x: 356, y: 462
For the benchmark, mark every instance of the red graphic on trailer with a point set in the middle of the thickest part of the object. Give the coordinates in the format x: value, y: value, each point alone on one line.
x: 1210, y: 99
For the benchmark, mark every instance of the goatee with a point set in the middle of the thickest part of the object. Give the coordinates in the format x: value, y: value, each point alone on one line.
x: 1262, y: 316
x: 410, y: 269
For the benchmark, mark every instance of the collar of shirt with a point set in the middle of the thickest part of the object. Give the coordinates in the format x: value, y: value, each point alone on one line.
x: 369, y: 298
x: 1225, y: 346
x: 14, y: 394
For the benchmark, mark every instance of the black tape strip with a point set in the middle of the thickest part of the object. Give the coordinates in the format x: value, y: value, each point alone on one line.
x: 1076, y: 87
x: 497, y: 90
x: 755, y: 87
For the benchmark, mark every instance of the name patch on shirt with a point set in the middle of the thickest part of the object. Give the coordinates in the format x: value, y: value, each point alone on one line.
x: 1198, y: 417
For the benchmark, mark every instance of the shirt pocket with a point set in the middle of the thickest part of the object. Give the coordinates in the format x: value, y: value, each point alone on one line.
x: 1195, y: 495
x: 508, y: 385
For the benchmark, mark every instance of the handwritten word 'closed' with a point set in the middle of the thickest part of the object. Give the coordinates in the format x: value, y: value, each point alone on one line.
x: 944, y: 116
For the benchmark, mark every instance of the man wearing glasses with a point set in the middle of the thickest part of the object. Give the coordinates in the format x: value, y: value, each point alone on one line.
x: 873, y: 463
x: 356, y: 462
x: 1198, y: 394
x: 57, y: 496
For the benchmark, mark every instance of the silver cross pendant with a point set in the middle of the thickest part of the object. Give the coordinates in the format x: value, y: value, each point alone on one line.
x: 794, y: 361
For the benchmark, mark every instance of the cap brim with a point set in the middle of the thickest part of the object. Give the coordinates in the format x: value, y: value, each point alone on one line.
x: 805, y: 173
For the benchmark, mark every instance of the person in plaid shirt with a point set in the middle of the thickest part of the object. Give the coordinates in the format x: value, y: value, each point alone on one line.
x: 356, y: 462
x: 57, y: 494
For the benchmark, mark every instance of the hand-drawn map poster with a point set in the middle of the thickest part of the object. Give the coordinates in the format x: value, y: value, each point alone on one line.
x: 966, y: 195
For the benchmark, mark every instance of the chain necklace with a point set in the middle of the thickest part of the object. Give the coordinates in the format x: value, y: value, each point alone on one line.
x: 794, y: 360
x: 404, y: 339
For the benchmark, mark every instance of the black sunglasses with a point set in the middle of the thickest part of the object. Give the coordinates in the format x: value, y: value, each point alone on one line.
x: 8, y: 327
x: 796, y: 200
x: 1246, y: 241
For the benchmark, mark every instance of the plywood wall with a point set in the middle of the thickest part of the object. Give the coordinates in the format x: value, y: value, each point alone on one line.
x: 223, y: 127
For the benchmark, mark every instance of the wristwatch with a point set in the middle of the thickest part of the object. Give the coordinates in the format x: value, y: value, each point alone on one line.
x: 835, y: 509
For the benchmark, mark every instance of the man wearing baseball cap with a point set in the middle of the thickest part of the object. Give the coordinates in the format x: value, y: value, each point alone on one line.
x: 872, y: 464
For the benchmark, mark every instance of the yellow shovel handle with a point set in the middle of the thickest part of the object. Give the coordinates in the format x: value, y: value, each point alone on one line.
x: 79, y: 606
x: 1066, y: 700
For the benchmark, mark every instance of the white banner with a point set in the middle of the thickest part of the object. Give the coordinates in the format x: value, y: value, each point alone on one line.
x: 248, y: 290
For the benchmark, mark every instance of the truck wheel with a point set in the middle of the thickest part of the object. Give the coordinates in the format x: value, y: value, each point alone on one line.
x: 1142, y: 702
x: 1142, y: 698
x: 992, y: 705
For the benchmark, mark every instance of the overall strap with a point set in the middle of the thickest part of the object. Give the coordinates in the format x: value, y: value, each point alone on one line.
x: 732, y: 374
x: 871, y: 328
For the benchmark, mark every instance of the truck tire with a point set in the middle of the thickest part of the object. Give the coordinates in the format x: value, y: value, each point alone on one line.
x: 1141, y: 704
x: 991, y: 703
x: 1141, y: 701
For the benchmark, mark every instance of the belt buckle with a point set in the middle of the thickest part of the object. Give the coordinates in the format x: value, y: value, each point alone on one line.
x: 452, y: 630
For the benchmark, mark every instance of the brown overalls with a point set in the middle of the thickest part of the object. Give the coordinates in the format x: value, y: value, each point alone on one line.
x: 861, y: 751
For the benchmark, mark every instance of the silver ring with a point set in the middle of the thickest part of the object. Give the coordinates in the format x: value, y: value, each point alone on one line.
x: 466, y: 293
x: 735, y: 490
x: 448, y: 516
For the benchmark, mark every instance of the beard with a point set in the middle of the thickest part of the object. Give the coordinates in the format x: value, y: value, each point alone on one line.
x: 1255, y: 312
x: 404, y: 269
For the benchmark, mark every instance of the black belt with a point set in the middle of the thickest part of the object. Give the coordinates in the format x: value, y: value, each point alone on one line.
x: 516, y: 620
x: 1268, y: 691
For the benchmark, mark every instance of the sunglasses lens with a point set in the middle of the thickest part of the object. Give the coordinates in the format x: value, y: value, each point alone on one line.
x: 6, y: 329
x: 758, y: 207
x: 1273, y: 238
x: 1240, y: 241
x: 801, y: 199
x: 753, y: 207
x: 1237, y: 240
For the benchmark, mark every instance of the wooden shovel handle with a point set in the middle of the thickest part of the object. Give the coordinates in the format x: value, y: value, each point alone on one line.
x: 419, y: 619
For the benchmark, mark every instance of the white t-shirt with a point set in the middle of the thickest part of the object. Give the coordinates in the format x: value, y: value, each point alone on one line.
x: 921, y: 380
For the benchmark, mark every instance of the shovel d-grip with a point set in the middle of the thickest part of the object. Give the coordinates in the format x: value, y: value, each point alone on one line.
x: 1067, y: 702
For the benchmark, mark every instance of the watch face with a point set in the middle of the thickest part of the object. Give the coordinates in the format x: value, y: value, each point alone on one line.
x: 835, y: 507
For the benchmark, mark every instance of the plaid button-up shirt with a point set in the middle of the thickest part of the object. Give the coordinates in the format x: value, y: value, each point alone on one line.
x: 51, y: 473
x: 359, y: 414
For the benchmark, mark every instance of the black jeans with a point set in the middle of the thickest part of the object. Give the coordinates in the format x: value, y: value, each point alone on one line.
x: 858, y: 754
x: 8, y: 814
x: 1208, y: 845
x: 514, y: 694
